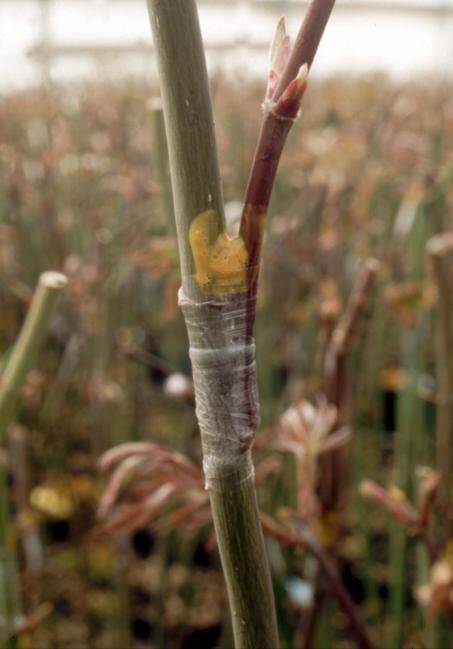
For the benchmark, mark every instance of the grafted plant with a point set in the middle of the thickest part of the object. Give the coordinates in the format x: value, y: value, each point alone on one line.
x: 219, y: 283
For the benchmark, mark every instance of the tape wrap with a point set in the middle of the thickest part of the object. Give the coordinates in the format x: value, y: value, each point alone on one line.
x: 222, y: 353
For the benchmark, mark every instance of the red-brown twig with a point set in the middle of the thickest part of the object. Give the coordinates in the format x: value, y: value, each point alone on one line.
x: 274, y: 131
x: 336, y: 384
x: 343, y: 336
x: 333, y: 467
x: 416, y: 521
x: 307, y: 40
x: 305, y: 538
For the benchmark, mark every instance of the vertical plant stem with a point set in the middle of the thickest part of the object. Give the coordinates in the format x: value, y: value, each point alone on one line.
x: 410, y: 426
x: 122, y: 613
x: 440, y: 249
x: 162, y: 171
x: 334, y: 466
x: 21, y: 360
x: 160, y: 159
x: 337, y: 385
x: 29, y: 533
x: 23, y: 355
x: 410, y: 440
x: 214, y: 316
x: 10, y: 607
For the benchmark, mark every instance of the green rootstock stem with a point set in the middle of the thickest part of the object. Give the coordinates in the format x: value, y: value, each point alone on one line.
x: 239, y: 535
x: 196, y: 191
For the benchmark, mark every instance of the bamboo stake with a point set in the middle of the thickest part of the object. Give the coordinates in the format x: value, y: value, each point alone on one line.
x: 21, y: 360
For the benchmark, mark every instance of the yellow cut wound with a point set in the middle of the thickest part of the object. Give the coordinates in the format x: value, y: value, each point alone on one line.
x: 201, y: 239
x: 220, y: 262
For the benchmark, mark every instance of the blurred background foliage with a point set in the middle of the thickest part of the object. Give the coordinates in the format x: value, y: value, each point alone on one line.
x: 367, y: 172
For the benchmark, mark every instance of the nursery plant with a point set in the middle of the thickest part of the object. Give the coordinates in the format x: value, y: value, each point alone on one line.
x: 220, y: 281
x: 353, y: 367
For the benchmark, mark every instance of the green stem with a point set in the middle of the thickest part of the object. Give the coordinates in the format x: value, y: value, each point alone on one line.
x: 10, y: 609
x: 440, y: 249
x: 410, y: 428
x: 398, y: 568
x: 21, y: 360
x: 160, y: 159
x: 336, y: 379
x: 25, y: 349
x: 244, y: 563
x: 189, y: 124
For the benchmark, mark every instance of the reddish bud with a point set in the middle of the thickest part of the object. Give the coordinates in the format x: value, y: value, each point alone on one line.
x: 288, y: 106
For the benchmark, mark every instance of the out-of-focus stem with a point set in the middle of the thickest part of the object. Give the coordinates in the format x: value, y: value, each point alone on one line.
x: 29, y: 531
x: 409, y: 429
x: 333, y: 466
x: 160, y: 159
x: 440, y: 249
x: 336, y: 383
x: 25, y: 349
x: 20, y: 361
x: 305, y: 538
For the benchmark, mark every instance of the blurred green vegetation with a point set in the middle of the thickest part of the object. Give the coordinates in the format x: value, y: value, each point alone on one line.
x: 368, y: 171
